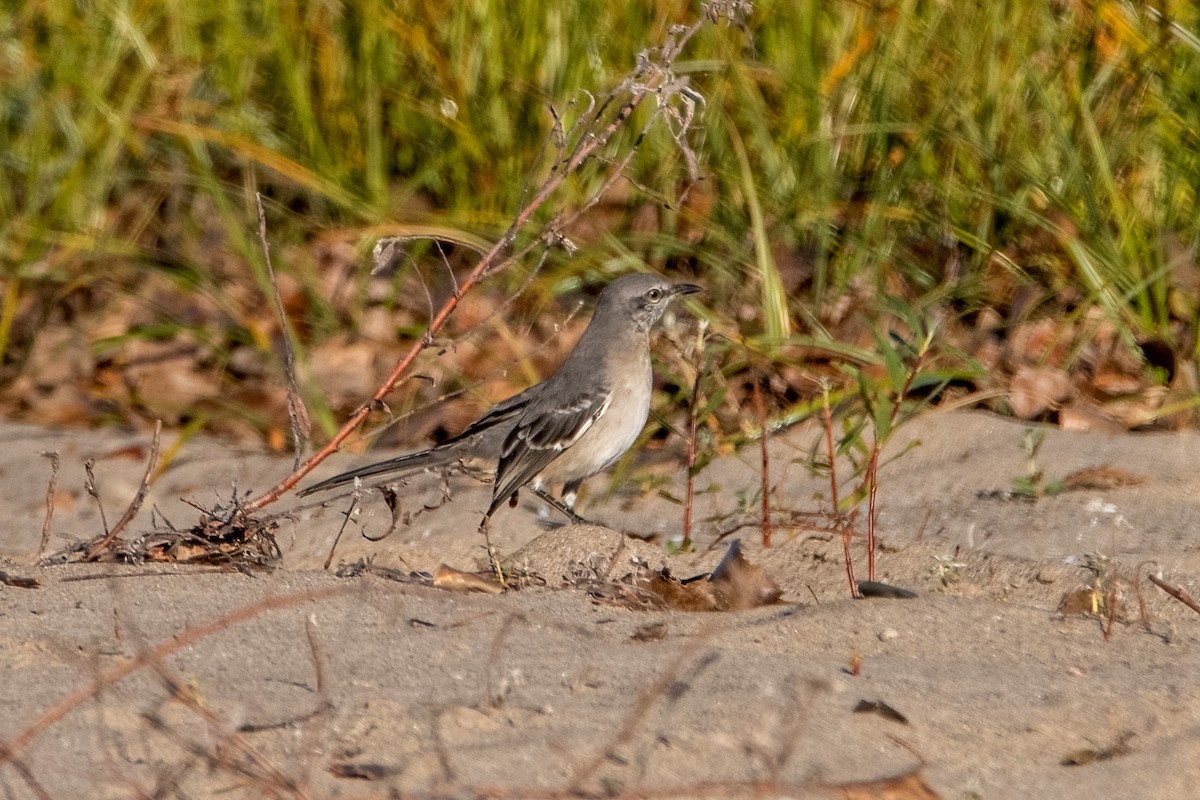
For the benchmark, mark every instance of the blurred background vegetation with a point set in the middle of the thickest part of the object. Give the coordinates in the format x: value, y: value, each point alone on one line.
x: 1022, y: 174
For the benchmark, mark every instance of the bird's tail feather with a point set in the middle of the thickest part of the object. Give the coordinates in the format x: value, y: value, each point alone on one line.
x: 411, y: 462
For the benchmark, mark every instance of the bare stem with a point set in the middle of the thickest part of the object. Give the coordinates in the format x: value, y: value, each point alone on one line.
x: 761, y: 411
x: 839, y: 524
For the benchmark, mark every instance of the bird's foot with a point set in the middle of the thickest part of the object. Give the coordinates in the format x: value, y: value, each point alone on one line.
x: 560, y: 506
x: 493, y: 555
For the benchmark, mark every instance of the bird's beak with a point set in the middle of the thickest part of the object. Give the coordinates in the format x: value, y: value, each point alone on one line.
x: 685, y: 288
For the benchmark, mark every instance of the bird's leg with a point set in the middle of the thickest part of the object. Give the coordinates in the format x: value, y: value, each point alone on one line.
x: 493, y: 558
x: 559, y: 505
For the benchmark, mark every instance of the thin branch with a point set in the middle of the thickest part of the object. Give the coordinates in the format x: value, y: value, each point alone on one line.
x: 135, y: 505
x: 1178, y: 592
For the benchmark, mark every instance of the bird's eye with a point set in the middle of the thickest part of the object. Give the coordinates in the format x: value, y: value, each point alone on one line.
x: 654, y: 295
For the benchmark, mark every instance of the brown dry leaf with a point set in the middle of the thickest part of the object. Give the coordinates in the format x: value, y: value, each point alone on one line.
x: 741, y: 584
x: 1115, y: 383
x: 910, y: 786
x: 456, y: 580
x: 1080, y: 602
x: 345, y: 370
x: 61, y: 406
x: 1038, y: 342
x: 1084, y: 416
x: 166, y: 375
x: 675, y: 594
x: 1105, y: 476
x: 1034, y: 390
x: 734, y: 585
x: 1137, y: 410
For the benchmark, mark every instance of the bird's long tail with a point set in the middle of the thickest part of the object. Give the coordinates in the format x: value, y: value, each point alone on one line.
x: 411, y: 462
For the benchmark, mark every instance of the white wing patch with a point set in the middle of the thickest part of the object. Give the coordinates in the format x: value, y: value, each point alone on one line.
x: 585, y: 427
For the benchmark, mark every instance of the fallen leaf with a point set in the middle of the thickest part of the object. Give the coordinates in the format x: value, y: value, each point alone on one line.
x: 909, y: 786
x: 1034, y: 390
x: 456, y: 580
x: 882, y: 709
x: 1084, y: 416
x: 1078, y: 603
x: 734, y: 585
x: 1105, y: 476
x: 741, y: 584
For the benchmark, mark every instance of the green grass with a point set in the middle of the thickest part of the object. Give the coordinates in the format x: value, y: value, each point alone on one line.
x: 1055, y: 145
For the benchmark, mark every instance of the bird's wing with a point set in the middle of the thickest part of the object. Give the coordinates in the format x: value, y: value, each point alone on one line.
x: 502, y: 412
x: 546, y: 428
x: 482, y: 438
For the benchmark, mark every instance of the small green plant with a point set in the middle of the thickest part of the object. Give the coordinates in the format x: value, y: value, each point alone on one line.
x: 1033, y: 483
x: 908, y: 383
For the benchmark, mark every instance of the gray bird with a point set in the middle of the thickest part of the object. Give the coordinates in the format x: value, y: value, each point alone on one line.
x: 571, y: 425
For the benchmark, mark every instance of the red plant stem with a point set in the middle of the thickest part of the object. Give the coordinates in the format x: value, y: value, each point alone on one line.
x: 873, y: 467
x: 872, y: 476
x: 846, y: 530
x: 761, y: 411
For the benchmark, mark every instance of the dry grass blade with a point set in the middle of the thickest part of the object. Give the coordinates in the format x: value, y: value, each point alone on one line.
x: 51, y: 488
x: 298, y: 418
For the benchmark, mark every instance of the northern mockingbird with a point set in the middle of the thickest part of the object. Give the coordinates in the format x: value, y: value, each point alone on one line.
x: 571, y: 425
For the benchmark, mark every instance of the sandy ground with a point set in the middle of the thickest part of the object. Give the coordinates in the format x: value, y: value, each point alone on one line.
x: 115, y: 681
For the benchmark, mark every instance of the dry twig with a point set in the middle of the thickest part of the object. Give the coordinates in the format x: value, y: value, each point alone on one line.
x: 135, y: 505
x: 1178, y: 592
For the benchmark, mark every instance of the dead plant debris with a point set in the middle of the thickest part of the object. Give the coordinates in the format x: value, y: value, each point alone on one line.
x: 360, y: 772
x: 1090, y: 755
x: 1105, y: 476
x: 735, y: 585
x: 224, y: 535
x: 882, y: 709
x: 20, y: 581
